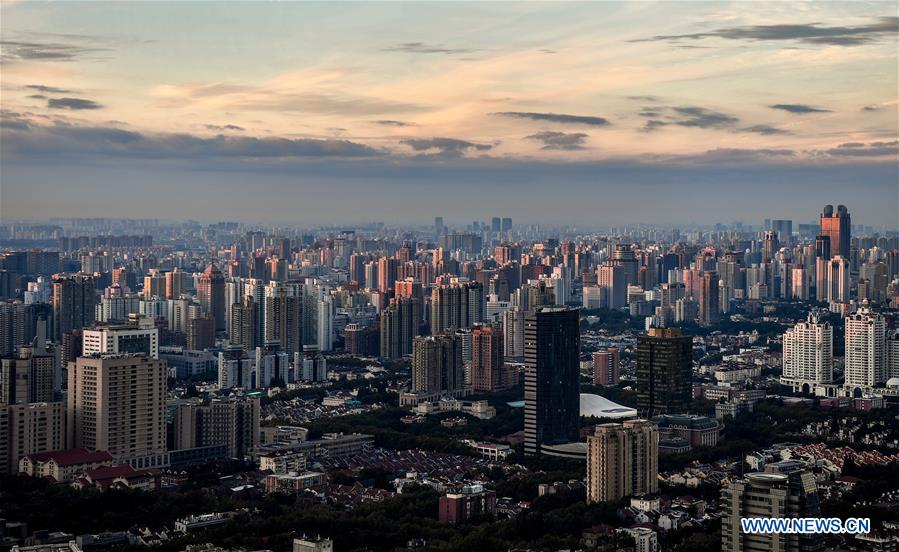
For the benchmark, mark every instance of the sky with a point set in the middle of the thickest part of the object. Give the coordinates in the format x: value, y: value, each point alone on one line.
x: 584, y: 113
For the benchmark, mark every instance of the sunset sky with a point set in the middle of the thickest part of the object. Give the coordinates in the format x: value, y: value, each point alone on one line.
x: 378, y: 111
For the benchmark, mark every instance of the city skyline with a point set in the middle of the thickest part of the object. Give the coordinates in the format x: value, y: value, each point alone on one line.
x: 608, y: 110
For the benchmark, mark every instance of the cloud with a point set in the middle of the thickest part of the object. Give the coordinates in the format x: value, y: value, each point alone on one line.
x: 703, y: 118
x: 766, y: 130
x: 810, y: 33
x: 557, y: 118
x: 389, y: 122
x: 686, y: 116
x: 424, y: 48
x: 872, y: 108
x: 46, y: 89
x: 72, y: 103
x: 17, y: 50
x: 225, y: 127
x: 644, y: 98
x: 446, y: 147
x: 799, y: 109
x: 560, y: 140
x: 858, y: 149
x: 23, y: 138
x: 37, y: 97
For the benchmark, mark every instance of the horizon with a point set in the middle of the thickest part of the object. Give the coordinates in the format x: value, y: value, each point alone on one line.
x: 608, y: 112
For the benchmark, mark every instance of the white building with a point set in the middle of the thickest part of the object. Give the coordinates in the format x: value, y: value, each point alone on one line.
x: 866, y: 358
x: 808, y: 354
x: 122, y: 339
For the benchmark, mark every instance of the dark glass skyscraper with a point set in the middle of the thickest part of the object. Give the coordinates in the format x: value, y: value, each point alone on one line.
x: 838, y: 227
x: 552, y: 344
x: 664, y: 372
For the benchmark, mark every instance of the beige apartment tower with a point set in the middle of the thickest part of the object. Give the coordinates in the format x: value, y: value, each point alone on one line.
x: 117, y: 403
x: 622, y: 460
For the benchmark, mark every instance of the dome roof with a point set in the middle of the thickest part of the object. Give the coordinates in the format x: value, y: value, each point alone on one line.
x: 601, y: 407
x: 893, y: 382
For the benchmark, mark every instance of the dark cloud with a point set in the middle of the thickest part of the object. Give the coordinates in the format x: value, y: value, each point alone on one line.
x: 653, y: 124
x: 424, y: 48
x: 38, y: 97
x: 548, y: 51
x: 557, y: 118
x: 446, y: 147
x: 799, y: 109
x: 736, y: 155
x: 390, y: 122
x: 16, y: 50
x: 811, y: 33
x: 767, y: 130
x: 858, y: 149
x: 46, y: 89
x: 72, y: 103
x: 560, y: 140
x: 225, y: 127
x: 644, y: 98
x: 701, y: 117
x: 872, y: 108
x: 44, y: 141
x: 686, y: 116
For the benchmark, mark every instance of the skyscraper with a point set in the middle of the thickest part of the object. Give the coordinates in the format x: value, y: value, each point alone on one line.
x: 837, y: 226
x: 487, y: 359
x: 211, y: 293
x: 117, y: 403
x: 552, y: 345
x: 664, y: 372
x: 808, y: 354
x: 622, y: 460
x: 513, y: 332
x: 73, y: 303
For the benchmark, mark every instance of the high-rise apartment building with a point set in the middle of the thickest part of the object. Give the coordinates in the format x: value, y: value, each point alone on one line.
x: 607, y: 366
x: 622, y: 460
x: 29, y: 378
x: 837, y: 227
x: 211, y: 293
x: 709, y: 299
x: 243, y: 329
x: 552, y: 345
x: 231, y: 421
x: 808, y: 354
x: 866, y: 358
x: 142, y: 337
x: 614, y: 280
x: 664, y: 372
x: 437, y: 364
x: 769, y: 495
x: 399, y: 325
x: 513, y: 332
x: 284, y: 311
x: 30, y: 428
x: 117, y: 403
x: 73, y: 303
x: 487, y: 372
x: 456, y: 305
